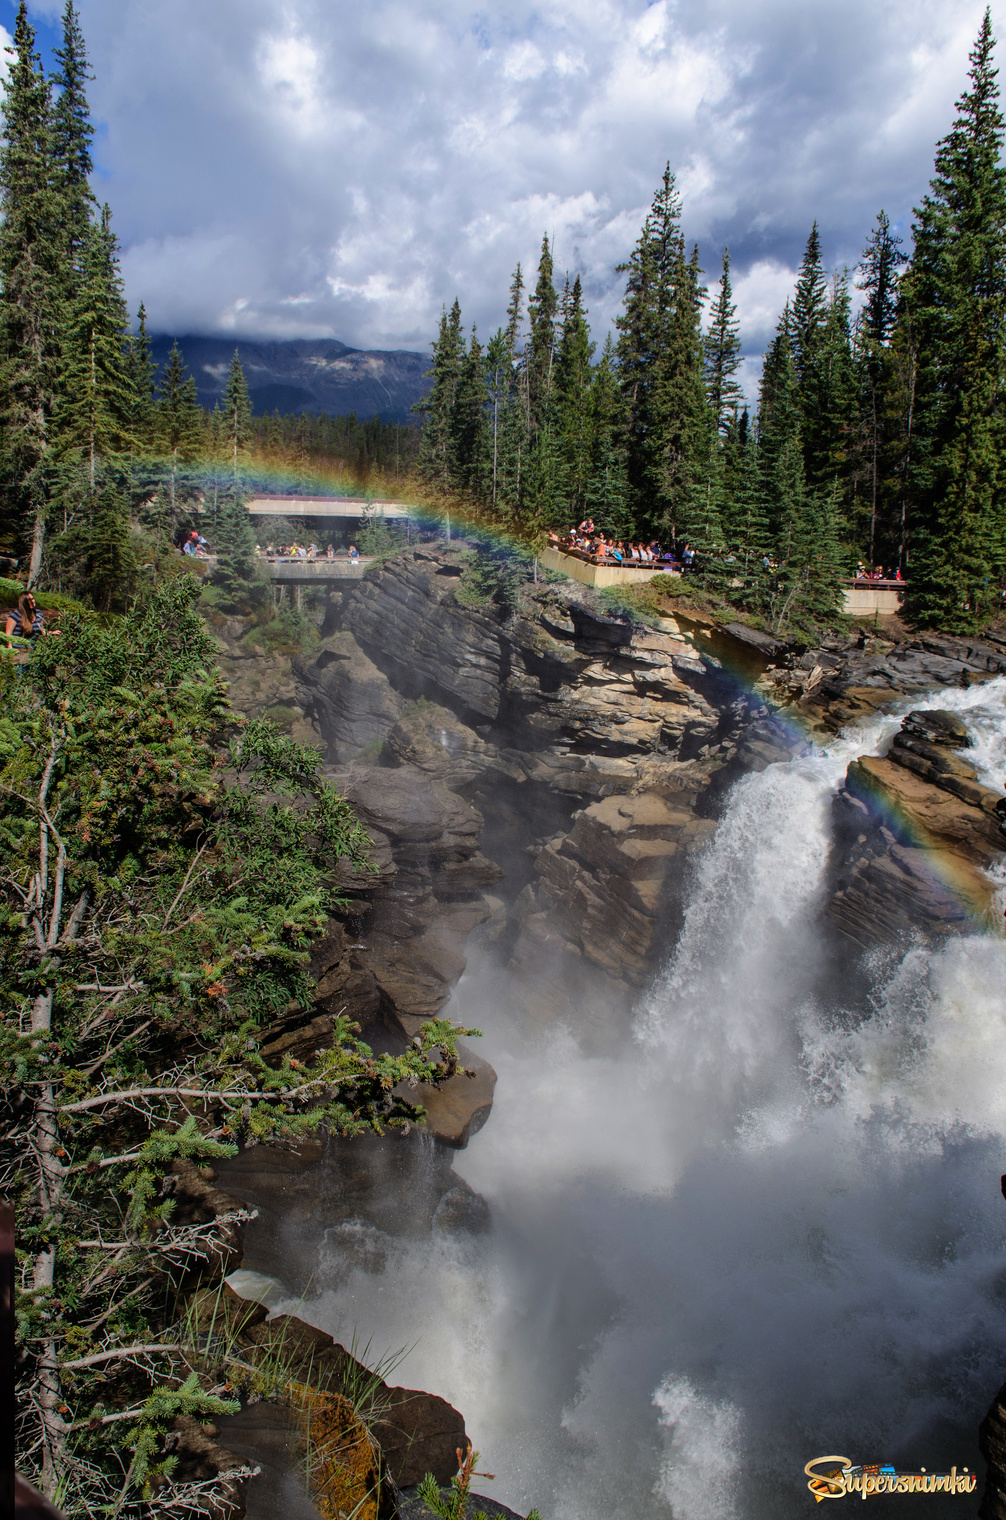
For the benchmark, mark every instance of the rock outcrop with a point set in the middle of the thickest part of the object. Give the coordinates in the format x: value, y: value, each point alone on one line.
x: 417, y: 907
x: 916, y: 832
x: 838, y: 683
x: 541, y: 720
x: 600, y: 911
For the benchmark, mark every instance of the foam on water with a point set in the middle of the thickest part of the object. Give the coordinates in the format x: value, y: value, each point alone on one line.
x: 764, y: 1231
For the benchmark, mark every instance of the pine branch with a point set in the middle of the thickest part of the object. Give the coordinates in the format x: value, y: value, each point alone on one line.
x: 119, y: 1354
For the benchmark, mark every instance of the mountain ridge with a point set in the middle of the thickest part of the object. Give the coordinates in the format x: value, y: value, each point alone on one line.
x: 303, y: 374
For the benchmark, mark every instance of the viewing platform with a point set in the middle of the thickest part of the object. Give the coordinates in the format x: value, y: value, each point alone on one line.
x: 595, y: 572
x: 863, y: 598
x: 314, y: 572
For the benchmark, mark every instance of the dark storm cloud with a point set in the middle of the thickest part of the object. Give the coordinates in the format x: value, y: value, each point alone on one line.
x: 312, y: 167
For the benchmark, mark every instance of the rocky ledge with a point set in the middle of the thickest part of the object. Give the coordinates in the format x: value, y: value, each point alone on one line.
x: 916, y: 834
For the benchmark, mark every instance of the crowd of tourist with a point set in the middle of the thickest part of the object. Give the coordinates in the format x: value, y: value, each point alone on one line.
x: 878, y: 573
x: 306, y: 553
x: 601, y: 548
x: 195, y: 545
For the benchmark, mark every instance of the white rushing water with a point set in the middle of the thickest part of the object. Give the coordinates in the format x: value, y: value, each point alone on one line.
x: 768, y: 1230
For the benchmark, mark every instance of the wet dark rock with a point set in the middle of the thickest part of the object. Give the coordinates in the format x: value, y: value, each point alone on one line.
x: 462, y: 1209
x: 350, y: 700
x: 411, y: 1507
x: 937, y: 727
x: 755, y: 639
x: 992, y: 1445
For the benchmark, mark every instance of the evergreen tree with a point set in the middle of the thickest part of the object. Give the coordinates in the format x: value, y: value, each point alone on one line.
x: 879, y: 271
x: 606, y: 498
x: 234, y: 545
x: 511, y: 412
x: 236, y: 417
x: 498, y: 379
x: 810, y: 311
x: 96, y: 398
x: 469, y: 423
x: 112, y: 558
x: 822, y: 356
x: 745, y: 519
x: 142, y: 371
x: 73, y: 133
x: 830, y: 447
x: 660, y: 361
x: 31, y: 280
x: 779, y: 420
x: 722, y: 348
x: 956, y: 290
x: 514, y: 313
x: 572, y: 389
x: 810, y: 574
x: 179, y: 419
x: 540, y: 358
x: 436, y: 463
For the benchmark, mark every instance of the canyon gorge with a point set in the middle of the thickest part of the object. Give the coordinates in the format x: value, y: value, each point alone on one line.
x: 720, y: 1190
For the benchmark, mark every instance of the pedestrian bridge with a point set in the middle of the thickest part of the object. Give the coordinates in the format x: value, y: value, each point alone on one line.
x: 314, y: 572
x: 356, y: 507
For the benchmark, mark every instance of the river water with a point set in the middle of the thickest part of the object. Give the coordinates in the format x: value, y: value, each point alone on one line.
x: 767, y: 1229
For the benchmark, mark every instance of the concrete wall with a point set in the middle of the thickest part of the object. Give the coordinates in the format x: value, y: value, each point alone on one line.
x: 864, y: 600
x: 596, y: 575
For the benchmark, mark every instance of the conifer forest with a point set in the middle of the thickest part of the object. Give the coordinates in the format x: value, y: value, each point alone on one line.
x: 876, y: 439
x: 167, y: 862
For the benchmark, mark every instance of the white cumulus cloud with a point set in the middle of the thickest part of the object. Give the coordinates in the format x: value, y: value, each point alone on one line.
x: 314, y: 167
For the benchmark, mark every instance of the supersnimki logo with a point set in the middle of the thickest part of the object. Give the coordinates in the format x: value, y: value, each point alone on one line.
x: 837, y: 1477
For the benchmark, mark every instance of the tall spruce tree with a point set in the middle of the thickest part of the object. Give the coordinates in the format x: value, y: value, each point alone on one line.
x: 660, y: 362
x: 31, y: 285
x: 573, y: 380
x: 469, y: 423
x: 956, y: 290
x: 831, y: 440
x: 142, y: 373
x: 436, y: 463
x: 722, y: 348
x: 236, y: 418
x: 879, y: 270
x: 96, y: 399
x: 606, y: 498
x: 540, y: 359
x: 779, y: 422
x: 498, y: 380
x: 73, y: 132
x: 179, y: 419
x: 512, y: 414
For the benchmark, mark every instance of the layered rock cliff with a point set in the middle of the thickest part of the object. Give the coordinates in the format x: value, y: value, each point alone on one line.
x: 587, y: 745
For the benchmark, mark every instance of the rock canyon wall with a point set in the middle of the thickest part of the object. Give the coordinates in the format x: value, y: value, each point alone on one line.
x: 547, y: 777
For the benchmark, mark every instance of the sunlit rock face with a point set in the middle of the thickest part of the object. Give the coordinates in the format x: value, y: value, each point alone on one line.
x: 587, y: 743
x: 916, y: 834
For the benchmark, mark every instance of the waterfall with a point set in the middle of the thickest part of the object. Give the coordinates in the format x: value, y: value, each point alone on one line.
x: 768, y: 1229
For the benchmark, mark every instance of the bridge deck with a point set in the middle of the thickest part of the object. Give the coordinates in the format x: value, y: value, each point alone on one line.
x: 326, y: 506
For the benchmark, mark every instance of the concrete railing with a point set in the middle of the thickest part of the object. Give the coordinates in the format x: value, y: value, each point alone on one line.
x: 865, y: 598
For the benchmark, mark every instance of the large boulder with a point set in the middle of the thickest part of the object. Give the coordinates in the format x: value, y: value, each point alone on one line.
x: 916, y: 834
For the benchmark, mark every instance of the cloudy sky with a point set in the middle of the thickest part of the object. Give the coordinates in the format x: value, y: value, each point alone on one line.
x: 307, y: 168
